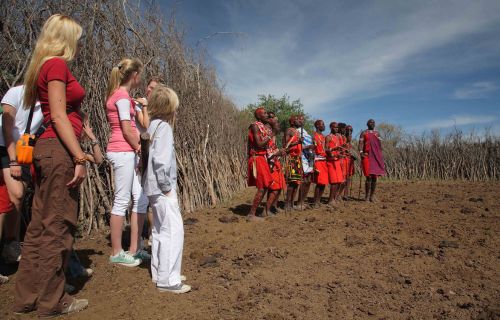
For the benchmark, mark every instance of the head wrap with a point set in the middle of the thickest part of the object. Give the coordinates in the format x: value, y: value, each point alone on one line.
x: 259, y: 111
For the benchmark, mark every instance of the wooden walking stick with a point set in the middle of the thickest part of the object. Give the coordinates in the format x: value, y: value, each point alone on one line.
x: 360, y: 180
x: 302, y: 174
x: 287, y: 172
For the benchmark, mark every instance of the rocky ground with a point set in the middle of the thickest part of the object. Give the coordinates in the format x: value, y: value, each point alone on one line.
x: 425, y: 250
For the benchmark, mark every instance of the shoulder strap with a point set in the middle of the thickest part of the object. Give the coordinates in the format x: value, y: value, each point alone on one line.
x: 30, y: 118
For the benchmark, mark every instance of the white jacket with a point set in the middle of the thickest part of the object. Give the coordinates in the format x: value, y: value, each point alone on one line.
x: 161, y: 174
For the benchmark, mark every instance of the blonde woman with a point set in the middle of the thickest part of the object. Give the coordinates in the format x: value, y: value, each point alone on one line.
x: 122, y: 150
x: 60, y: 166
x: 160, y: 184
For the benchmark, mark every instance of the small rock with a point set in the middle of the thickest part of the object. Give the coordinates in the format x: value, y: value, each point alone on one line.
x: 228, y: 219
x: 476, y: 199
x: 190, y: 221
x: 466, y: 305
x: 208, y: 261
x: 310, y: 219
x: 469, y: 263
x: 467, y: 210
x: 353, y: 240
x: 448, y: 244
x: 196, y: 255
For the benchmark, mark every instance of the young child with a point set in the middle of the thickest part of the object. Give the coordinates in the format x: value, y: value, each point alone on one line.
x: 160, y: 183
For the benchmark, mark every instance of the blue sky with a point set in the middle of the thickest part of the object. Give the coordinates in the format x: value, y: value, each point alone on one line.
x: 419, y: 64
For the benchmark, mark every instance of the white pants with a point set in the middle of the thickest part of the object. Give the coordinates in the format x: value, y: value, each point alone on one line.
x: 168, y: 240
x: 127, y: 184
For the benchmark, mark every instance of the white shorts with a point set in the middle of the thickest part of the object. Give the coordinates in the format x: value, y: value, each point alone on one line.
x: 127, y: 184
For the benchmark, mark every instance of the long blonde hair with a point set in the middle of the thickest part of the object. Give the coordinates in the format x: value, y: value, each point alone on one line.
x: 163, y: 103
x: 122, y: 73
x: 58, y: 38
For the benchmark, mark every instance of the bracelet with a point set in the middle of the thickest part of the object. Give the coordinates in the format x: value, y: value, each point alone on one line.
x: 94, y: 143
x: 80, y: 161
x: 13, y: 161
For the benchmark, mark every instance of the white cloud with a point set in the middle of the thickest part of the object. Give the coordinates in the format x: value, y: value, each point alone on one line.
x: 460, y: 120
x: 477, y: 90
x: 332, y: 54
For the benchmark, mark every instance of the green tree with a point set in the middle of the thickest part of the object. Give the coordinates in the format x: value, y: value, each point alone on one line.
x: 283, y: 108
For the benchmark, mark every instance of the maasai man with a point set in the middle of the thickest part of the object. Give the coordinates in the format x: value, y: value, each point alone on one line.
x: 293, y: 145
x: 273, y: 158
x: 343, y: 155
x: 333, y: 147
x: 349, y: 163
x: 320, y: 167
x: 307, y: 163
x: 370, y: 148
x: 259, y: 174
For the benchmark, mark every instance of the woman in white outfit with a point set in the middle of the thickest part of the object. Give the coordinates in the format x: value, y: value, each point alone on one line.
x: 160, y: 184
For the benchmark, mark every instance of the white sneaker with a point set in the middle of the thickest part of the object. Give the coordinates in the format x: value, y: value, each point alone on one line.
x: 12, y: 252
x: 88, y: 272
x: 180, y: 288
x: 3, y: 279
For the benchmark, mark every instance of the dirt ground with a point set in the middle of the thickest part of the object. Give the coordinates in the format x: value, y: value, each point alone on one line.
x: 425, y: 250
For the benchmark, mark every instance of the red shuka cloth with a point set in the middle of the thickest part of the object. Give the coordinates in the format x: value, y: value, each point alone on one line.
x: 259, y: 157
x: 335, y: 173
x: 373, y: 164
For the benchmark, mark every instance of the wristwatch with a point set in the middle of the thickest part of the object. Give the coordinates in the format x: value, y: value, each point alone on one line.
x: 94, y: 143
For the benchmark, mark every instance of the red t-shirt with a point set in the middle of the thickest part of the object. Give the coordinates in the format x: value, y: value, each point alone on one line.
x: 57, y: 69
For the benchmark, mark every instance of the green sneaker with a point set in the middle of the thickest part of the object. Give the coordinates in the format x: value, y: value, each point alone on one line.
x: 125, y: 259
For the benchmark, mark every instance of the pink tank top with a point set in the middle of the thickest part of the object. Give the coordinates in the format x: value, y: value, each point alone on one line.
x: 117, y: 142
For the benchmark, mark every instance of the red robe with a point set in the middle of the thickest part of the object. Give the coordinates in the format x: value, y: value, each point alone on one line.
x: 259, y: 174
x: 373, y: 163
x: 278, y: 178
x: 333, y: 163
x: 320, y: 167
x: 349, y: 161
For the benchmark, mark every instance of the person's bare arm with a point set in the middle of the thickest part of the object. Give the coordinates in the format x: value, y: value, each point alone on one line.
x: 289, y: 136
x: 64, y: 129
x: 143, y: 115
x: 8, y: 120
x: 327, y: 142
x: 97, y: 155
x: 130, y: 136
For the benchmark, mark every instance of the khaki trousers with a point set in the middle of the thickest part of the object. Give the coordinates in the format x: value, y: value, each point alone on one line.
x: 49, y: 238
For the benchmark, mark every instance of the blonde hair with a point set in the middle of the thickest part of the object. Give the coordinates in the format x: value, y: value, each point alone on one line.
x: 163, y: 103
x: 58, y: 38
x: 122, y: 73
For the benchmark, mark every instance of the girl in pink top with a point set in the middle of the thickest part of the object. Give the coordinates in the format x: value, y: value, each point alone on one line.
x: 123, y: 147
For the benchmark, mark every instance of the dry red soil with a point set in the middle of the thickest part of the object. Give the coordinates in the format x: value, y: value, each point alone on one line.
x: 425, y: 250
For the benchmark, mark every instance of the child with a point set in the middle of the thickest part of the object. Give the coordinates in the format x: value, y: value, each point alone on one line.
x: 160, y: 182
